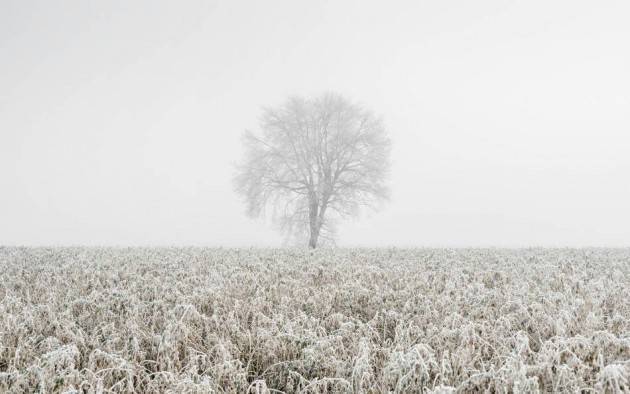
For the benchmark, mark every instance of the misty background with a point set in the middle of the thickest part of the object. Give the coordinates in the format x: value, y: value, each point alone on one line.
x: 120, y: 122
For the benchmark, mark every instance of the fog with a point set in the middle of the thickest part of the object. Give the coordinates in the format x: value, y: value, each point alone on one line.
x: 120, y: 122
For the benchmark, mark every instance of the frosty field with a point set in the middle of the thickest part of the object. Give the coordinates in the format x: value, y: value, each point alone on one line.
x: 328, y: 321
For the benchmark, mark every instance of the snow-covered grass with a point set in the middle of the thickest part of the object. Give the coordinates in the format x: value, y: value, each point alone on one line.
x: 337, y: 320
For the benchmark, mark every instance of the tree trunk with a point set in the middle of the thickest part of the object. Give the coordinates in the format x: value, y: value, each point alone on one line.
x: 313, y: 224
x: 312, y: 242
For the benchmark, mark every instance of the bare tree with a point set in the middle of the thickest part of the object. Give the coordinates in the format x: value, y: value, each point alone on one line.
x: 316, y: 160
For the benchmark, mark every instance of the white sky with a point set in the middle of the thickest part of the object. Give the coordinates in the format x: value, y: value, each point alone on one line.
x: 510, y: 120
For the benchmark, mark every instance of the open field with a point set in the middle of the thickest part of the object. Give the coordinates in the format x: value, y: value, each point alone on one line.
x: 221, y: 320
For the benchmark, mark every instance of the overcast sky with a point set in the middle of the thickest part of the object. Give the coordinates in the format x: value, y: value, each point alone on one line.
x: 120, y: 121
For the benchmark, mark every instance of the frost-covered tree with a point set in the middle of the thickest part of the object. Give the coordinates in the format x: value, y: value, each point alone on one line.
x: 315, y: 161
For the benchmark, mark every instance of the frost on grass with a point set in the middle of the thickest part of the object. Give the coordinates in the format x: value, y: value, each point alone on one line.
x: 329, y: 321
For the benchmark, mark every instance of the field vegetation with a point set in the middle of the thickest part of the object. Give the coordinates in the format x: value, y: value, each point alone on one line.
x: 97, y: 320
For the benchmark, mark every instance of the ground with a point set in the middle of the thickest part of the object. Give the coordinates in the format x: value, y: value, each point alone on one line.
x: 335, y: 320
